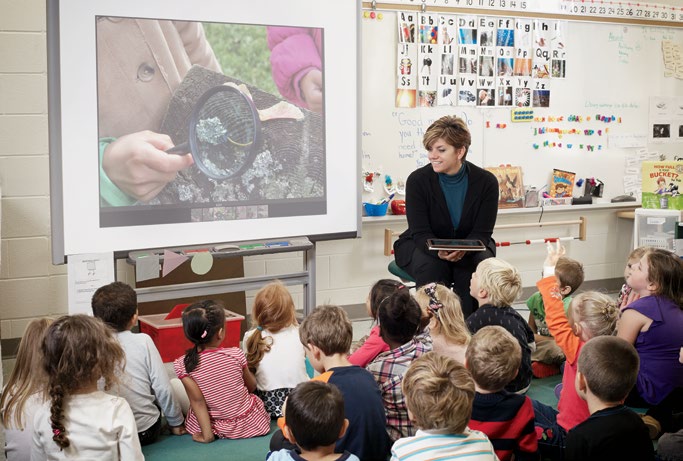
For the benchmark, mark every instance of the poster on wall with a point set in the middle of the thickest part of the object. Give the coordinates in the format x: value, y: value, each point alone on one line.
x: 182, y: 125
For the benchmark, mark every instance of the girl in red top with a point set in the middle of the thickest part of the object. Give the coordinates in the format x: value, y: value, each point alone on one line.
x: 373, y: 344
x: 217, y: 380
x: 590, y: 314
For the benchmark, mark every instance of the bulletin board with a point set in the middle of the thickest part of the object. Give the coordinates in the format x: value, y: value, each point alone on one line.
x: 613, y: 70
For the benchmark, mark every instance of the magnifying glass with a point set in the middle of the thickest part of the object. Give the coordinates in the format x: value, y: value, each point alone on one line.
x: 224, y: 134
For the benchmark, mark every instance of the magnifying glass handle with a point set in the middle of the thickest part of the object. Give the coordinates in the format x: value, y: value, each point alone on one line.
x: 180, y: 149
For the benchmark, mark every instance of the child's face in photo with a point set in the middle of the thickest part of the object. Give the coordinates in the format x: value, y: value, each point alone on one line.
x: 638, y: 277
x: 367, y: 306
x: 315, y: 363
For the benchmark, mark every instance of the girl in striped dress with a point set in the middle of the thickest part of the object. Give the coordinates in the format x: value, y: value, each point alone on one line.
x: 217, y: 380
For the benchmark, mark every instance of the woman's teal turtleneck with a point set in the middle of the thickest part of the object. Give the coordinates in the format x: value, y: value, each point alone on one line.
x: 454, y: 188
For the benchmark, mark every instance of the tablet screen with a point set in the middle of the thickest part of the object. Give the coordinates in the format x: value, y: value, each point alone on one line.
x: 455, y: 245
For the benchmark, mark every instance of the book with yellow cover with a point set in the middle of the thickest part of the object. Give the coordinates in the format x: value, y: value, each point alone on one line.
x: 562, y: 184
x: 660, y: 183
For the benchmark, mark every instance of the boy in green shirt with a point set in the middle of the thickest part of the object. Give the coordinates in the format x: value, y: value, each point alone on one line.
x: 547, y: 358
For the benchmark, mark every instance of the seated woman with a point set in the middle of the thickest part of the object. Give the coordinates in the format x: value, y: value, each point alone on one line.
x: 450, y: 198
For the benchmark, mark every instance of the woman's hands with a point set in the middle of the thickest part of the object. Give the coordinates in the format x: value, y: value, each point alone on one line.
x: 451, y: 256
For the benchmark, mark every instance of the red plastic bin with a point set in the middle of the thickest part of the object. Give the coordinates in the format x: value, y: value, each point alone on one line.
x: 169, y: 338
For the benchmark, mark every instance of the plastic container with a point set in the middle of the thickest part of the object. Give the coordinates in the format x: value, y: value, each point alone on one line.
x: 372, y: 209
x: 169, y: 338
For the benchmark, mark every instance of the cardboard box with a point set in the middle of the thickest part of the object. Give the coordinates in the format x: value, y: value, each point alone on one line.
x: 169, y: 338
x: 660, y: 185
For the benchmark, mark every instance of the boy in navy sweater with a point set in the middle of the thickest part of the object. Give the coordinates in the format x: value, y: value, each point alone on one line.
x: 493, y: 357
x: 607, y: 371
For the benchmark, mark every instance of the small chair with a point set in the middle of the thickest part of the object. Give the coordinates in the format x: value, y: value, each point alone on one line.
x: 388, y: 251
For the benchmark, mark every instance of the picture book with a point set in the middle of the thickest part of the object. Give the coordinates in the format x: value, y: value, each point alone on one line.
x: 562, y: 184
x: 510, y: 185
x: 660, y: 184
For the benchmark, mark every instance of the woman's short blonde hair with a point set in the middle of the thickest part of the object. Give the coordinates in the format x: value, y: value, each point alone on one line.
x: 453, y: 130
x: 501, y: 280
x: 439, y: 393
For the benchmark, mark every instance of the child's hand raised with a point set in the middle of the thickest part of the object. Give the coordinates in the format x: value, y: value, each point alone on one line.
x: 555, y: 252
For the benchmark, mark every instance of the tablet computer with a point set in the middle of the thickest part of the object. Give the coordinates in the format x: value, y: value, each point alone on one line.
x: 455, y: 245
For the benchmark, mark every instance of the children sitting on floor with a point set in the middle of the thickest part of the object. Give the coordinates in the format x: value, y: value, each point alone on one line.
x: 314, y: 422
x: 606, y: 372
x: 145, y: 386
x: 399, y: 322
x: 495, y: 285
x: 493, y: 358
x: 547, y: 358
x: 326, y: 335
x: 79, y: 421
x: 590, y: 314
x: 439, y: 393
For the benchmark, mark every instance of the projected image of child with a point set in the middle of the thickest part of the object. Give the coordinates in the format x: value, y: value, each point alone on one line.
x: 155, y: 78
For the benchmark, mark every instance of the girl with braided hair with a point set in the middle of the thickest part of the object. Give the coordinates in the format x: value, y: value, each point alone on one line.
x: 79, y: 421
x: 217, y: 380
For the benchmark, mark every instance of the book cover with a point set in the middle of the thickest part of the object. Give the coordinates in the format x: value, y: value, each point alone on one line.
x: 510, y: 185
x: 562, y: 184
x: 660, y: 183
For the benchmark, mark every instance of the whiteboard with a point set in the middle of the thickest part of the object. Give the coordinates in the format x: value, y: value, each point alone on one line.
x: 612, y: 69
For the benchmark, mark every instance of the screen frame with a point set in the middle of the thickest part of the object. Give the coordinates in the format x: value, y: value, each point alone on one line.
x: 74, y: 195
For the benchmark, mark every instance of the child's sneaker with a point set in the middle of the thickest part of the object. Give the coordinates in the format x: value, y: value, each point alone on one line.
x: 544, y: 370
x: 653, y: 426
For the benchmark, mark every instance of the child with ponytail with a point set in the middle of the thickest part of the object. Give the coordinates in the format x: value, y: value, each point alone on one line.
x: 374, y: 345
x: 79, y: 421
x: 590, y: 314
x: 217, y: 380
x: 447, y: 327
x: 273, y: 349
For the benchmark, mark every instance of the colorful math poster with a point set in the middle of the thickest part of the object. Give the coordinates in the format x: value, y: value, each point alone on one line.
x: 428, y: 59
x: 406, y: 61
x: 447, y: 92
x: 562, y: 183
